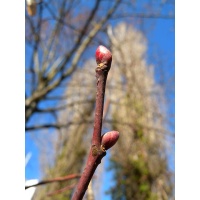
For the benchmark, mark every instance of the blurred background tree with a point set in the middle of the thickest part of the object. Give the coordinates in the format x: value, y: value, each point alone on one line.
x: 61, y: 39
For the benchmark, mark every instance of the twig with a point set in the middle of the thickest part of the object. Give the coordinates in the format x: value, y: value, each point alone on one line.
x: 69, y: 187
x: 104, y: 59
x: 90, y: 195
x: 58, y: 179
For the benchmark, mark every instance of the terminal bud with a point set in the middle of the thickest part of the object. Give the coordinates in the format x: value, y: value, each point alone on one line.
x: 103, y: 56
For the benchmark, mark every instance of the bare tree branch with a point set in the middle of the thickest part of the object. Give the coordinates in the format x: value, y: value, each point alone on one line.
x: 57, y: 179
x: 64, y: 106
x: 69, y: 187
x: 43, y: 87
x: 57, y: 126
x: 145, y: 15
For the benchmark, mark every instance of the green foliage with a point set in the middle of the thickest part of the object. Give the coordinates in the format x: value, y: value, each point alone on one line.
x: 134, y: 179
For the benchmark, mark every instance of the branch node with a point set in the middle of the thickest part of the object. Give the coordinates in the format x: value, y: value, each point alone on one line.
x: 97, y: 151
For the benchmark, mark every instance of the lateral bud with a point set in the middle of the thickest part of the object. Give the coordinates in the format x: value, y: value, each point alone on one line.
x: 109, y: 139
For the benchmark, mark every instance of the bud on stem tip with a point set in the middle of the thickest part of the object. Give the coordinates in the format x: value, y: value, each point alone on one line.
x: 103, y: 56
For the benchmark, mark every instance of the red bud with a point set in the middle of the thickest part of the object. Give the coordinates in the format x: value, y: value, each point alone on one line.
x: 109, y: 139
x: 103, y: 55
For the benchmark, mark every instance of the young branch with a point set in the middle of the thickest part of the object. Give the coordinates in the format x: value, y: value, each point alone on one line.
x: 58, y: 179
x: 69, y: 187
x: 97, y: 152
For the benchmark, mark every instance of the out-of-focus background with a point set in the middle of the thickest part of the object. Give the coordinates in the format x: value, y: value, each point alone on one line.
x: 61, y: 39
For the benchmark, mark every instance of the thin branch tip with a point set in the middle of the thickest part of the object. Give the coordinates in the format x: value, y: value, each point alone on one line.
x: 103, y: 56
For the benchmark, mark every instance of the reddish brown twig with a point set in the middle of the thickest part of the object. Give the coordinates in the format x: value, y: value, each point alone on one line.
x: 104, y: 59
x: 58, y: 179
x: 69, y: 187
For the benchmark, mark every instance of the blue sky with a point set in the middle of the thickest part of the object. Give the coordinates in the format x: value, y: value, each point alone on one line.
x: 160, y: 40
